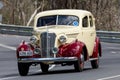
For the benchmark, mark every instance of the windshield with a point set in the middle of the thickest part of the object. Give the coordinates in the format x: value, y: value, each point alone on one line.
x: 58, y: 20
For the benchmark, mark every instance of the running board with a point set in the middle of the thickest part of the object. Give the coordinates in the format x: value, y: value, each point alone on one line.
x: 93, y: 59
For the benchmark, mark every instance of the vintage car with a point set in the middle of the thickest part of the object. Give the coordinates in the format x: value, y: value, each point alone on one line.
x: 66, y: 37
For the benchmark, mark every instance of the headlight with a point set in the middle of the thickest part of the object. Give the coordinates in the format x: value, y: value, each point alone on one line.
x: 37, y: 51
x: 54, y: 50
x: 62, y: 39
x: 33, y: 39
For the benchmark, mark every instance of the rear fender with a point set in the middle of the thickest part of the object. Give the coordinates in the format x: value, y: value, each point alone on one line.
x: 97, y: 49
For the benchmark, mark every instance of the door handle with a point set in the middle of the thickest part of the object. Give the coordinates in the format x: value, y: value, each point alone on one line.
x: 91, y: 34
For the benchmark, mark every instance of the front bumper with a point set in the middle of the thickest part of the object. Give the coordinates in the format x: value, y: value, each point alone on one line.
x: 48, y: 60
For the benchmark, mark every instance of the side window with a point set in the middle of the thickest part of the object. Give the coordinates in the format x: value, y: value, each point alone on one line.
x: 85, y: 21
x: 91, y: 21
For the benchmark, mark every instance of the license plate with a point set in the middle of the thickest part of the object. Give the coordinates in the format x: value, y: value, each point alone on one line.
x: 25, y: 53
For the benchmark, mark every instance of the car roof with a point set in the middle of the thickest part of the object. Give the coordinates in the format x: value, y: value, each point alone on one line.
x: 64, y: 12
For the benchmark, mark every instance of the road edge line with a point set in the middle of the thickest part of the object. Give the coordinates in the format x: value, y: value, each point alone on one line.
x: 111, y: 77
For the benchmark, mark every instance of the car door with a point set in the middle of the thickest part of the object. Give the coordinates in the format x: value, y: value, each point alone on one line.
x: 88, y: 33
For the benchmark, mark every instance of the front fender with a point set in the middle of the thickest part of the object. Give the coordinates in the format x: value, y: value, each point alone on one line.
x: 72, y: 49
x: 23, y: 47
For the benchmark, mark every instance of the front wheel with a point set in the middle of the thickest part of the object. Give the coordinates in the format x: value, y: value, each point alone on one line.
x: 79, y: 64
x: 23, y: 69
x: 44, y: 67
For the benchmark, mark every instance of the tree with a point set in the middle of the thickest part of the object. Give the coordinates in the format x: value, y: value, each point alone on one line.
x: 22, y: 12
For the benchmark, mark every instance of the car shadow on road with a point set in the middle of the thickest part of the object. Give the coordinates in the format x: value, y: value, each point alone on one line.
x: 52, y: 72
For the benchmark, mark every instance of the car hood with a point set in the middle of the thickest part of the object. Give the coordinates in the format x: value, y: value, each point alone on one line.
x: 57, y: 29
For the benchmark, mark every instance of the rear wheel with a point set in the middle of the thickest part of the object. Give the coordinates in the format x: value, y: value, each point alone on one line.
x: 79, y: 64
x: 23, y: 69
x: 95, y: 63
x: 44, y: 67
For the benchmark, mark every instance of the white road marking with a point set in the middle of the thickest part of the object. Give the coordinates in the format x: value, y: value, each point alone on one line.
x: 12, y: 48
x: 113, y: 52
x: 9, y: 47
x: 111, y: 77
x: 52, y: 67
x: 113, y: 48
x: 49, y: 68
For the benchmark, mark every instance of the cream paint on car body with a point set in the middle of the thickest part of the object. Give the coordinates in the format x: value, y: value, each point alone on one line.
x: 86, y: 35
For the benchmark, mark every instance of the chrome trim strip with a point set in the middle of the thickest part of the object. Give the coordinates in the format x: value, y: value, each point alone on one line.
x: 93, y: 59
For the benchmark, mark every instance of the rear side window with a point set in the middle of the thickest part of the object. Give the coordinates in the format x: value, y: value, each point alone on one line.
x: 91, y: 21
x: 85, y: 21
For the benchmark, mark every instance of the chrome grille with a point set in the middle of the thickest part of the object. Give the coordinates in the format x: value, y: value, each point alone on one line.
x: 47, y: 43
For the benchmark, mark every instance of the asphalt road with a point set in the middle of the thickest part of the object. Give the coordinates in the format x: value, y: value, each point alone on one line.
x: 109, y: 64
